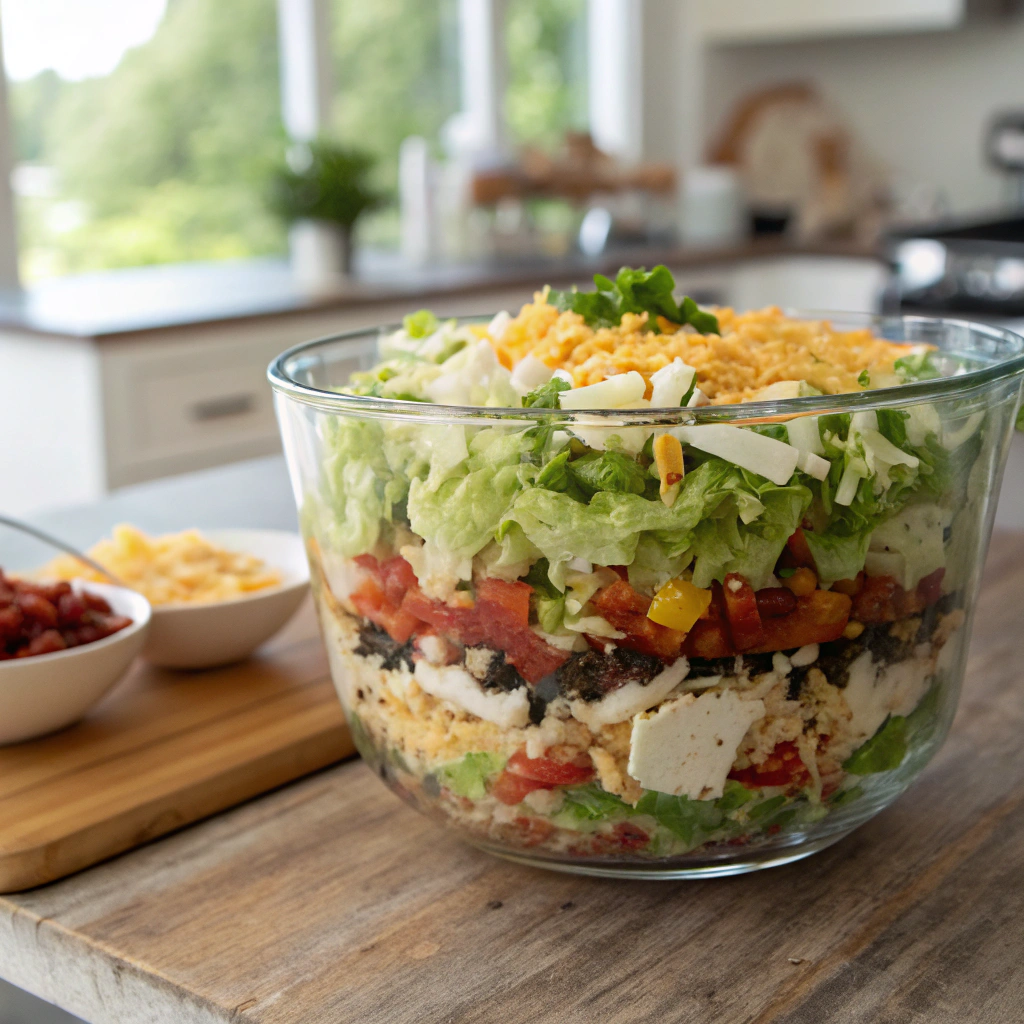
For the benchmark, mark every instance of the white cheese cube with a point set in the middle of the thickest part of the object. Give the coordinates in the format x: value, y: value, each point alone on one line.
x: 687, y: 746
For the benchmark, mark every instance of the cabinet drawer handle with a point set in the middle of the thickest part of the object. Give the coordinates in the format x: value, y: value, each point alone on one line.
x: 221, y: 408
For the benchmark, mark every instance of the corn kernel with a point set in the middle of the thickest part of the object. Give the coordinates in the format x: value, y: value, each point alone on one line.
x: 678, y: 605
x: 853, y: 630
x: 802, y: 582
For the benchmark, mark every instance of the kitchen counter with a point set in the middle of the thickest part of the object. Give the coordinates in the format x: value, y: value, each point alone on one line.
x: 330, y: 900
x: 115, y: 303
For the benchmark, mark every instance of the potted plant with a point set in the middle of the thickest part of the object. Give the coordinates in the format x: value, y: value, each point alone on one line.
x: 321, y: 190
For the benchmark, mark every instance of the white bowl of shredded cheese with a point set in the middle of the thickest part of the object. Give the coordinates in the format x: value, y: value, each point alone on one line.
x: 201, y: 635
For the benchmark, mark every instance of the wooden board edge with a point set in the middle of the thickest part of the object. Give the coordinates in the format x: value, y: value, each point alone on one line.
x: 27, y: 869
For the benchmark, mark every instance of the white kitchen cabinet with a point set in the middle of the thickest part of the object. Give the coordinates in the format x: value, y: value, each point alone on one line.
x: 754, y: 21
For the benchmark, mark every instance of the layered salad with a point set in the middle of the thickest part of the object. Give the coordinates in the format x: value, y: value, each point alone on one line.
x: 598, y: 636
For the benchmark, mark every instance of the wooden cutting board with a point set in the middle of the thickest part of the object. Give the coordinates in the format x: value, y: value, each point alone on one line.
x: 165, y: 749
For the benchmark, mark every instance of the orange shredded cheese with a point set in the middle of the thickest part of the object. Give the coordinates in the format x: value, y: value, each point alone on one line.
x: 753, y: 351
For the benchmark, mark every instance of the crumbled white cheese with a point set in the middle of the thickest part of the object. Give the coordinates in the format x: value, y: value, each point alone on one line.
x: 454, y: 684
x: 907, y: 682
x: 478, y: 661
x: 701, y: 682
x: 807, y: 655
x: 687, y: 746
x: 544, y: 801
x: 781, y: 665
x: 433, y: 648
x: 623, y: 703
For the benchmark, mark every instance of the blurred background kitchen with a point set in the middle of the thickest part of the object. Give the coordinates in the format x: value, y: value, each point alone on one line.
x: 195, y: 185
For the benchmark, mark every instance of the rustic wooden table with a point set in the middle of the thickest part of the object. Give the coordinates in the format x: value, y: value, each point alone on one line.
x: 331, y: 901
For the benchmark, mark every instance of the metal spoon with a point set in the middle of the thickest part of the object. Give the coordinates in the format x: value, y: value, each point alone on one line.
x: 56, y: 542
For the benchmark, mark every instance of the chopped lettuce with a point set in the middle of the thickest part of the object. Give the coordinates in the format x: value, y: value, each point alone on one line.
x: 358, y: 486
x: 420, y: 324
x: 608, y: 471
x: 883, y: 752
x: 723, y: 544
x: 546, y: 396
x: 838, y: 557
x: 592, y: 803
x: 462, y: 514
x: 468, y: 777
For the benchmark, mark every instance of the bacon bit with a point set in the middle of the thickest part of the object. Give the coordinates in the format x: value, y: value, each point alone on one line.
x: 627, y: 611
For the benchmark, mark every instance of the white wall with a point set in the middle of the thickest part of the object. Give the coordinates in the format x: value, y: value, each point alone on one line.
x: 921, y: 102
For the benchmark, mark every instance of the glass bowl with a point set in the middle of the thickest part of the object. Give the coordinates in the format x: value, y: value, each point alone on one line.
x: 525, y: 748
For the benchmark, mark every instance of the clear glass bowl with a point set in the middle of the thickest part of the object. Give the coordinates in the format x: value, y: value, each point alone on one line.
x: 453, y: 765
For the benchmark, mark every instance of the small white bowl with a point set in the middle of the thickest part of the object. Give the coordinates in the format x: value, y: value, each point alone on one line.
x: 205, y: 635
x: 44, y: 693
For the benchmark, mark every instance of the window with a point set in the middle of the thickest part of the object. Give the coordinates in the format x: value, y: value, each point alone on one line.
x: 396, y: 74
x: 546, y: 46
x: 142, y: 130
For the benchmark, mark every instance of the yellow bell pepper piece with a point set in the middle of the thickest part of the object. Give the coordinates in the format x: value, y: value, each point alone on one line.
x: 679, y: 605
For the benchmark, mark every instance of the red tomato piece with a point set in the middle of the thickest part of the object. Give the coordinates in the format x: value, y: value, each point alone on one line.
x: 509, y: 601
x: 929, y: 589
x: 510, y: 788
x: 549, y: 771
x: 397, y: 577
x: 372, y: 603
x: 741, y: 611
x: 782, y: 767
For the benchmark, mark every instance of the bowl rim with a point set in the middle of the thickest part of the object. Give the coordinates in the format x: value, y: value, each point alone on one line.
x: 139, y: 623
x: 176, y: 607
x: 960, y: 385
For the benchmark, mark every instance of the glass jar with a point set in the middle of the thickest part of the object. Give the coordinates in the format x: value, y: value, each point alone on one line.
x: 472, y: 713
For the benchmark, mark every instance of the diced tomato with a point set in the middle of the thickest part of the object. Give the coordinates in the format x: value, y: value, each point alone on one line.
x: 630, y: 836
x: 498, y: 618
x: 626, y: 610
x: 533, y: 831
x: 819, y: 617
x: 930, y: 588
x: 782, y: 767
x: 397, y: 576
x: 508, y: 601
x: 800, y: 550
x: 741, y: 611
x: 371, y: 602
x: 549, y: 771
x: 510, y: 788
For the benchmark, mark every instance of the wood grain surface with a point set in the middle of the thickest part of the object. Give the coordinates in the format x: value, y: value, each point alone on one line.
x: 331, y: 901
x: 163, y: 750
